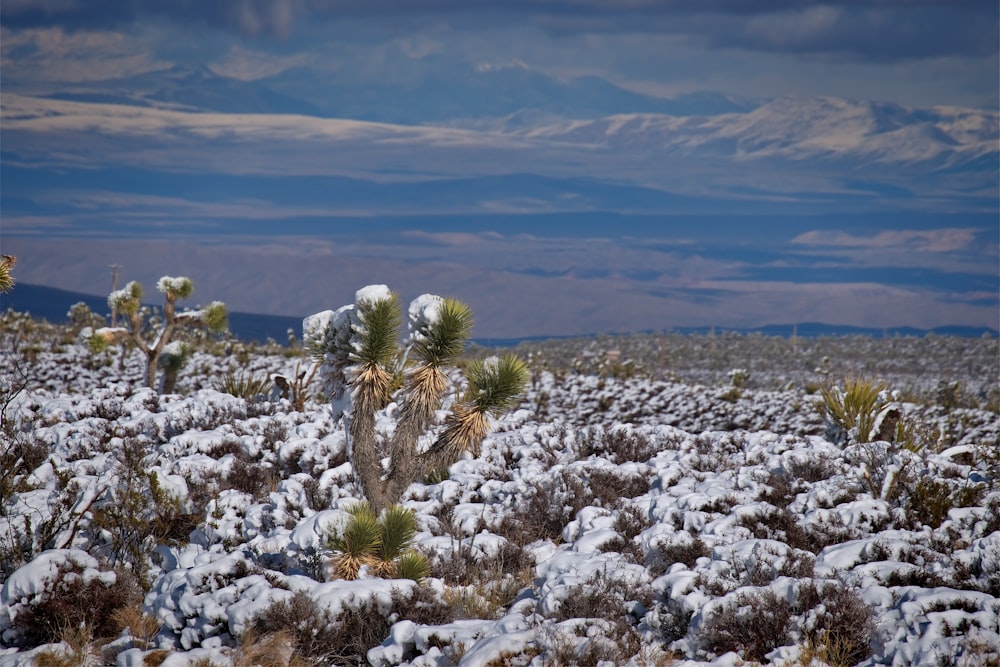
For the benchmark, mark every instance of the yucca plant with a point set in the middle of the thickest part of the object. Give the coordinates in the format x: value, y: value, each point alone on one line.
x: 363, y: 370
x: 855, y: 407
x: 6, y: 279
x: 128, y: 302
x: 382, y: 543
x: 247, y: 386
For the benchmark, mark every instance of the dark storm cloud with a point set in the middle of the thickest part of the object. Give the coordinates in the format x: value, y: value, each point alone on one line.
x: 882, y: 30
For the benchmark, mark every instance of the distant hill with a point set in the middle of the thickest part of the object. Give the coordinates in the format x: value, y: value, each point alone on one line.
x: 53, y: 305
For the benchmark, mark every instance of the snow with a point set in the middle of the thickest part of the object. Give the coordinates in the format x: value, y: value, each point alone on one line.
x: 172, y: 284
x: 424, y: 312
x: 729, y: 497
x: 372, y: 293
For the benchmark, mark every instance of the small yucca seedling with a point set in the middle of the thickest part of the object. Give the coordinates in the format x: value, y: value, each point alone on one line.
x: 380, y: 543
x: 856, y: 406
x: 363, y: 370
x: 247, y: 386
x: 412, y: 565
x: 358, y: 544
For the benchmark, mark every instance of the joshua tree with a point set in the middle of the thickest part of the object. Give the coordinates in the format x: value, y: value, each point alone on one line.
x: 127, y: 301
x: 364, y: 369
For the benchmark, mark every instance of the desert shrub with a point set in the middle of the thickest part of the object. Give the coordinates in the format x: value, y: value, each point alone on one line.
x: 276, y: 649
x: 773, y: 523
x: 750, y: 623
x: 549, y: 506
x: 317, y: 497
x: 622, y: 445
x: 605, y: 597
x: 610, y: 487
x: 683, y: 549
x: 810, y: 469
x: 484, y: 585
x: 842, y: 626
x: 318, y: 635
x: 669, y: 620
x: 137, y: 512
x: 604, y: 643
x: 630, y: 521
x: 778, y: 489
x: 72, y: 600
x: 257, y: 479
x: 929, y: 501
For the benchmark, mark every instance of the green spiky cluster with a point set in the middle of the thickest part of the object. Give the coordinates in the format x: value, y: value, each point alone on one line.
x: 443, y: 341
x: 381, y: 543
x: 6, y: 279
x: 215, y: 317
x: 379, y: 330
x: 496, y: 383
x: 126, y: 300
x: 856, y: 406
x: 175, y: 288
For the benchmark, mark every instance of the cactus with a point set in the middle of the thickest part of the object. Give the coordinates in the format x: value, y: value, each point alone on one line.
x: 127, y: 302
x: 364, y: 370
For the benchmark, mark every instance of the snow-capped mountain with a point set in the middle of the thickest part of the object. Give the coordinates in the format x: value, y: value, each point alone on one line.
x: 800, y: 129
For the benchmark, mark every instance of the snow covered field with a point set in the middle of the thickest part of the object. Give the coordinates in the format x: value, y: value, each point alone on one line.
x: 614, y: 520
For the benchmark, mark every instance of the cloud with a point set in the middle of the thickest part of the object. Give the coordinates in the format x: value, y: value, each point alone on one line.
x: 250, y: 65
x: 53, y: 54
x: 886, y: 30
x: 923, y: 240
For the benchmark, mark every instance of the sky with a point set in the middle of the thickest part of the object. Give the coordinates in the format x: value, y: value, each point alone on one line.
x: 565, y: 166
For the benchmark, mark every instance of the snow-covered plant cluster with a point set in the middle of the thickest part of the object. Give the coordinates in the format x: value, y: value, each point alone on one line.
x: 606, y: 520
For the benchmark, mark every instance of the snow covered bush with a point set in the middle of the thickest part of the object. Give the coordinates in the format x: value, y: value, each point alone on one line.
x: 62, y: 590
x: 128, y: 301
x: 368, y: 376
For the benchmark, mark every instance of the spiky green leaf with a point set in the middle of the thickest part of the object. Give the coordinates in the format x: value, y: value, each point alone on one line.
x: 6, y: 279
x: 444, y: 339
x: 378, y: 330
x: 855, y: 406
x: 399, y: 527
x: 126, y: 300
x: 175, y: 288
x: 96, y: 343
x: 412, y: 565
x: 496, y: 383
x: 362, y: 535
x: 215, y: 317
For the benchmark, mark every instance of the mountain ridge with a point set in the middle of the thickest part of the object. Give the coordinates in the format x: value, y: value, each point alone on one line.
x: 52, y: 304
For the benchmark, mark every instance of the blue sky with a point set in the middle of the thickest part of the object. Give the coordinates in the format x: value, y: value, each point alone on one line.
x: 566, y: 166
